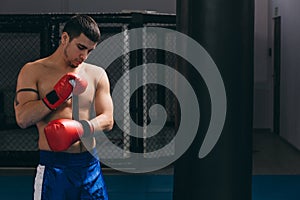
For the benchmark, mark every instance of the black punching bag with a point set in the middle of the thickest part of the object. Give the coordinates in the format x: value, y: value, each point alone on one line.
x: 225, y: 30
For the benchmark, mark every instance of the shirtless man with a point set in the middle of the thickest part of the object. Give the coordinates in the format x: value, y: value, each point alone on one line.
x: 68, y: 167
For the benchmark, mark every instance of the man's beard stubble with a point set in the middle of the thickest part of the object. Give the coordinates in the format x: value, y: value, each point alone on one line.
x: 68, y: 61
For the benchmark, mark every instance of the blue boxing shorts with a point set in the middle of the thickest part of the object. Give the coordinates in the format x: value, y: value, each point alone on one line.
x: 64, y: 176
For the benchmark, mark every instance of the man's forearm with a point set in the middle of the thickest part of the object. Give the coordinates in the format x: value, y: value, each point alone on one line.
x: 102, y: 122
x: 30, y: 113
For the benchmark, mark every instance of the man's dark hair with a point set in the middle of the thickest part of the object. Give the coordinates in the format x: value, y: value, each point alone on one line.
x: 82, y: 24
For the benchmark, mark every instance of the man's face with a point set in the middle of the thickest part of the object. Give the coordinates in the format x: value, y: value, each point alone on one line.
x: 77, y: 50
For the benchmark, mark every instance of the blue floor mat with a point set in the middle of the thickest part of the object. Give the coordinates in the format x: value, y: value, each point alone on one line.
x: 158, y: 187
x: 276, y: 187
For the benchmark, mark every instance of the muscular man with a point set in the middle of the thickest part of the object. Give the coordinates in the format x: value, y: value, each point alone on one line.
x: 68, y: 168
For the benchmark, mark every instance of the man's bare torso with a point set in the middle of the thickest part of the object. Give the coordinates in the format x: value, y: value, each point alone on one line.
x: 45, y: 84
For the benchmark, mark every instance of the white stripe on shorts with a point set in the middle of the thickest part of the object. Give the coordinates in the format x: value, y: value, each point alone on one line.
x: 38, y: 182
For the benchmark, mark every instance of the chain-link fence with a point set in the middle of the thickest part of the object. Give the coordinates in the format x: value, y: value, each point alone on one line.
x: 25, y: 38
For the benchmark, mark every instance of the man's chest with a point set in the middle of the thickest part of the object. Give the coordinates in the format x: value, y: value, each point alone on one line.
x: 47, y: 84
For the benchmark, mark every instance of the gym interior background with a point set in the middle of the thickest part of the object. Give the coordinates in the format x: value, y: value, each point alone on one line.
x: 29, y: 32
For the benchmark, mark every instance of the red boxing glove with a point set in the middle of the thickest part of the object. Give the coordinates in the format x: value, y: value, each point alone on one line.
x: 63, y: 90
x: 62, y: 133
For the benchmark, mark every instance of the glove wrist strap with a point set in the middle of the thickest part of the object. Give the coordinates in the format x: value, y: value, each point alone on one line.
x: 87, y: 127
x: 51, y: 99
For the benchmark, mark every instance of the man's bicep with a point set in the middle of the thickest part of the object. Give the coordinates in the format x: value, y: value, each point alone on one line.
x: 103, y: 103
x: 26, y: 78
x: 26, y: 89
x: 103, y: 99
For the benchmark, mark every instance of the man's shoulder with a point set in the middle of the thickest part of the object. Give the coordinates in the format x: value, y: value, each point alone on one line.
x: 94, y: 71
x: 89, y: 65
x: 34, y: 64
x: 91, y: 68
x: 32, y: 67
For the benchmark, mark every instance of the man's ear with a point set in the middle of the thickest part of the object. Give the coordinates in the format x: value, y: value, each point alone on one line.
x: 64, y: 38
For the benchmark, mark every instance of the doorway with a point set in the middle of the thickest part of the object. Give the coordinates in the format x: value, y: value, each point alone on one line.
x: 276, y: 75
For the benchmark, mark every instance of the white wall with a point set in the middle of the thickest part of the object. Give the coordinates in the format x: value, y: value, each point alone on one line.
x: 288, y: 10
x: 50, y: 6
x: 290, y: 70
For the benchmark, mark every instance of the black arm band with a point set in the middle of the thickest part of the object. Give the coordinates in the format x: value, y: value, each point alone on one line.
x: 27, y: 90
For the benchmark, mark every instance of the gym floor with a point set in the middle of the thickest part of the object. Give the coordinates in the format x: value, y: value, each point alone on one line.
x: 274, y: 156
x: 276, y: 176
